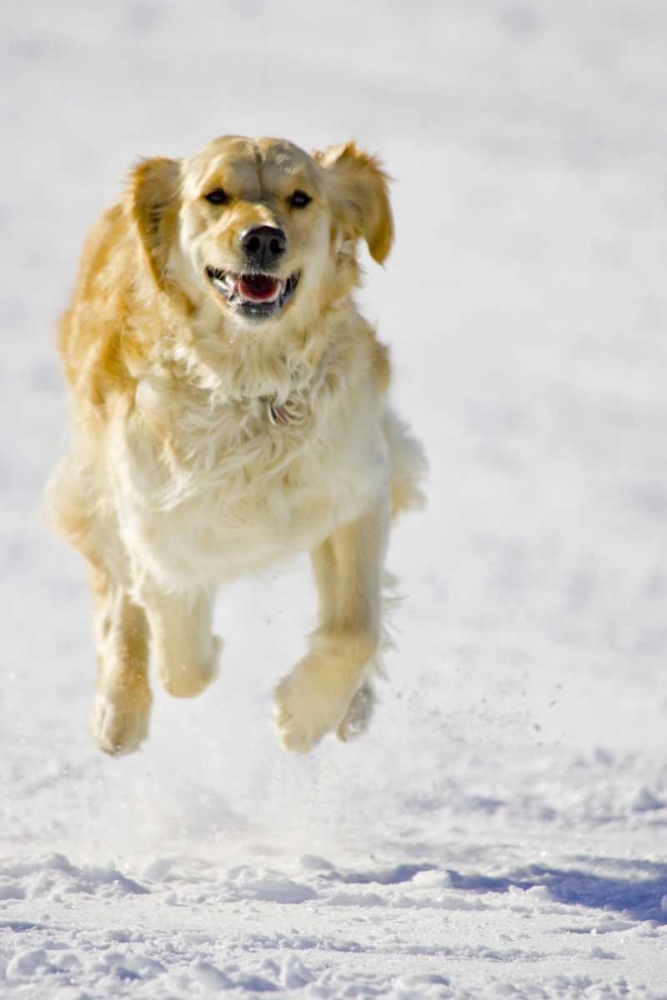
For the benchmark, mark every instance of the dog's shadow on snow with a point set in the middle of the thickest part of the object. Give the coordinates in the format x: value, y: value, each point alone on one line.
x: 639, y: 897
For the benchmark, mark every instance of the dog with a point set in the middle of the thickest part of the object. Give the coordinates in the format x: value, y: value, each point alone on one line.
x: 229, y: 409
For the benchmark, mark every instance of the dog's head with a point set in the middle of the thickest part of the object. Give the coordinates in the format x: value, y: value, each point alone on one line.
x: 261, y: 227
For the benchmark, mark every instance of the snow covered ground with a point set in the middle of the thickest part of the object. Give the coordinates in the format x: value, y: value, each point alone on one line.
x: 501, y: 832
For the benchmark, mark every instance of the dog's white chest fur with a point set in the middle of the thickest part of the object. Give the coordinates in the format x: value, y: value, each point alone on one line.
x: 231, y: 409
x: 233, y: 489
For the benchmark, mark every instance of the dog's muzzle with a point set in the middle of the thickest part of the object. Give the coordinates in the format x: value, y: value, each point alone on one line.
x: 253, y: 293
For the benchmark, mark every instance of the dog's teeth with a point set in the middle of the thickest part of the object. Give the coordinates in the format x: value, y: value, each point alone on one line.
x: 230, y: 286
x: 224, y: 285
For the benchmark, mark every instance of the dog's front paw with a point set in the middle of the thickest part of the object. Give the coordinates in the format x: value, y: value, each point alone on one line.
x: 120, y: 725
x: 312, y: 701
x: 187, y: 679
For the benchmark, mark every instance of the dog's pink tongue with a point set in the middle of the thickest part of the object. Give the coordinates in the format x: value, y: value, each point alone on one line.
x: 258, y: 287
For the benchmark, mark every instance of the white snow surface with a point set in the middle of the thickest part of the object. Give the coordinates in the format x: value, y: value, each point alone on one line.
x: 501, y: 831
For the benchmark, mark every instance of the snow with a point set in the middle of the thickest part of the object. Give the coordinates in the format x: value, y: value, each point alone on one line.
x: 501, y: 830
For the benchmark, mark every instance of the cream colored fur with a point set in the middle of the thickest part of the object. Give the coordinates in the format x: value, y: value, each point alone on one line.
x: 180, y: 478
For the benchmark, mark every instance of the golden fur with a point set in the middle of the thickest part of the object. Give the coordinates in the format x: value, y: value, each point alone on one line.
x: 207, y: 445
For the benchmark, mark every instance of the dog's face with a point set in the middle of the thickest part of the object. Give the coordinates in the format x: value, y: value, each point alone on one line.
x: 255, y: 224
x: 260, y: 227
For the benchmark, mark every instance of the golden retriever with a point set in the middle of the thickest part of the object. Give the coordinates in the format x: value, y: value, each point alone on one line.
x: 230, y: 409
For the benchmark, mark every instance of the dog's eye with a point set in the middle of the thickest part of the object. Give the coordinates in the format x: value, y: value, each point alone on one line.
x: 217, y: 197
x: 299, y: 199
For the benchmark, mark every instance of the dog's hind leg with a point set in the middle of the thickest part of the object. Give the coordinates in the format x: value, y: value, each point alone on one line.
x: 186, y: 652
x: 123, y: 698
x: 408, y: 464
x: 318, y: 695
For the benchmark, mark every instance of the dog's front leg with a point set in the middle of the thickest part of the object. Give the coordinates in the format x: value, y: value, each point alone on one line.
x: 186, y: 652
x: 317, y: 696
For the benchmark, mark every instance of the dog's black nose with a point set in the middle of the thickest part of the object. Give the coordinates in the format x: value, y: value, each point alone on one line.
x: 263, y: 245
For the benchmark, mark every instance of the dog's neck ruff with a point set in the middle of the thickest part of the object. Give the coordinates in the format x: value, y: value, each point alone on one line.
x: 278, y: 389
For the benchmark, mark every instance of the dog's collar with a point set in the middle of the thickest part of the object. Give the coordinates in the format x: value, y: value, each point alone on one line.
x: 294, y: 410
x: 291, y: 411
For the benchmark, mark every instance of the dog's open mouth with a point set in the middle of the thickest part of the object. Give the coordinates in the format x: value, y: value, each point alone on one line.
x: 253, y: 293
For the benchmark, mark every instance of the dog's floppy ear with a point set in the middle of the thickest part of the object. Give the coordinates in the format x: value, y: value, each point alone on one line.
x: 357, y: 187
x: 153, y: 195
